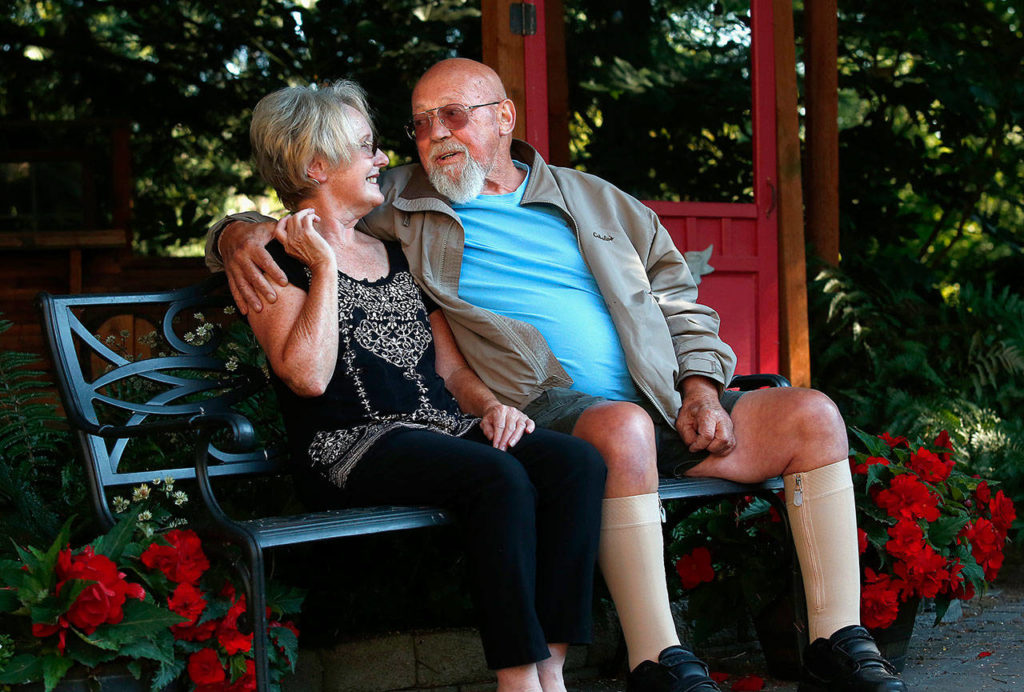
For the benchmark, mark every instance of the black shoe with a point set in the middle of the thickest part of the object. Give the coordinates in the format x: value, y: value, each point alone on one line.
x: 848, y: 661
x: 677, y: 670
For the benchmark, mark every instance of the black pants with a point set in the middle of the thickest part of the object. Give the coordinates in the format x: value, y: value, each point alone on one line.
x: 531, y: 518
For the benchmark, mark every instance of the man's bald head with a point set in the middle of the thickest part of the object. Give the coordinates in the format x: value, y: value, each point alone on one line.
x: 473, y: 81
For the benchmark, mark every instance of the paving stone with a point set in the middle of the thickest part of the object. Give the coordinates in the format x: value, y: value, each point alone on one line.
x: 450, y: 657
x: 370, y: 665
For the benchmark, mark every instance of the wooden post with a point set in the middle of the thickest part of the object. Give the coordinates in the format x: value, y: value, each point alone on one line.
x: 558, y: 84
x: 822, y: 128
x: 503, y: 52
x: 794, y: 346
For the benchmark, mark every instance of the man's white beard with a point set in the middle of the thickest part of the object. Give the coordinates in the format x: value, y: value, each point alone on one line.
x: 468, y: 184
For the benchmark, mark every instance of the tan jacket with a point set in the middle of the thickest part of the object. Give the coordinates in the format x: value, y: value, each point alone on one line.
x: 647, y: 286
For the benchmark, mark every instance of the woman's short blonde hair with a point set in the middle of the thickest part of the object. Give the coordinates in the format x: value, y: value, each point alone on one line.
x: 293, y: 125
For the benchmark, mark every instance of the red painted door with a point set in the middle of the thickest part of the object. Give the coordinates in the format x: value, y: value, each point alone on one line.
x: 743, y: 287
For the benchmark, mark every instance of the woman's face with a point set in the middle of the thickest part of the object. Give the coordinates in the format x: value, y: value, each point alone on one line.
x: 354, y: 184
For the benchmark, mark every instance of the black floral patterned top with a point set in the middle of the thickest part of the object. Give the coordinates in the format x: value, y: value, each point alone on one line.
x: 384, y: 379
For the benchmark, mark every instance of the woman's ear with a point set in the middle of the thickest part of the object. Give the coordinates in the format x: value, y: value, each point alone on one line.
x: 317, y: 170
x: 506, y: 117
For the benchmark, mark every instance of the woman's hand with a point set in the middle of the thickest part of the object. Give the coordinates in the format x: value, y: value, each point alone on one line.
x: 504, y: 425
x: 301, y: 240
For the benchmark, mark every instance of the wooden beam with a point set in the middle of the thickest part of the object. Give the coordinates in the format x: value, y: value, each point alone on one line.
x: 503, y: 52
x: 822, y: 128
x: 794, y: 346
x: 558, y: 84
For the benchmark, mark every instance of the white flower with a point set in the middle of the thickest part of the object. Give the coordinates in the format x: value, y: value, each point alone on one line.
x: 120, y: 504
x: 145, y: 516
x: 199, y: 316
x: 180, y: 497
x: 140, y: 493
x: 229, y: 310
x: 231, y: 364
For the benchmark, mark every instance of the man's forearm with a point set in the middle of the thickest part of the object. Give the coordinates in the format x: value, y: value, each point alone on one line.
x: 213, y: 258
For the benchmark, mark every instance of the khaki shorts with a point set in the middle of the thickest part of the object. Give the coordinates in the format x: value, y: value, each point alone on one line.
x: 559, y: 409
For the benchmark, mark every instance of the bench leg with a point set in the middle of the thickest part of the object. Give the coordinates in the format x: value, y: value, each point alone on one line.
x: 253, y: 576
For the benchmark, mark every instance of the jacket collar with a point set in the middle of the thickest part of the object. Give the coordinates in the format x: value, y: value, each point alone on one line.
x: 419, y: 195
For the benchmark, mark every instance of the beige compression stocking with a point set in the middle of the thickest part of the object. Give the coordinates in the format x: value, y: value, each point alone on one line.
x: 631, y: 555
x: 824, y: 522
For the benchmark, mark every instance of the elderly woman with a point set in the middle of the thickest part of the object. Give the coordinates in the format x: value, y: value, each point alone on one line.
x: 381, y: 406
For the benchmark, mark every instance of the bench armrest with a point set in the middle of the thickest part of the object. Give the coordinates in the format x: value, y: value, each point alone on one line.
x: 242, y: 433
x: 746, y: 383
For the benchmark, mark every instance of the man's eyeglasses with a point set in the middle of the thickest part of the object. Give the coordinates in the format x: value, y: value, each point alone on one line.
x: 454, y: 116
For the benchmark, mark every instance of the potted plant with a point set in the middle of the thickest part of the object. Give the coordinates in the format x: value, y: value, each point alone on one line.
x: 144, y: 595
x: 926, y: 529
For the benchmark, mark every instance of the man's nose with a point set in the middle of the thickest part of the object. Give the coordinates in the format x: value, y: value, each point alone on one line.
x: 438, y: 130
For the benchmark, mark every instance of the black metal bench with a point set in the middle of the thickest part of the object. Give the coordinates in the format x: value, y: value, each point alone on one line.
x: 189, y: 386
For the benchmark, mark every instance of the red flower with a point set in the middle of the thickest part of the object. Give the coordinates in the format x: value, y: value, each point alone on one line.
x: 1003, y: 512
x: 894, y: 441
x: 879, y: 600
x: 862, y: 540
x: 228, y: 636
x: 748, y: 683
x: 923, y: 574
x: 204, y: 668
x: 870, y: 461
x: 929, y: 466
x: 695, y: 568
x: 986, y: 546
x: 943, y: 441
x: 187, y: 601
x: 719, y: 677
x: 906, y: 539
x: 183, y: 561
x: 909, y: 498
x: 983, y: 493
x: 101, y: 602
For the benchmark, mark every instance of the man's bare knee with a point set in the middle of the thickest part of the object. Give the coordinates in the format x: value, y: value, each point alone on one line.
x: 624, y: 435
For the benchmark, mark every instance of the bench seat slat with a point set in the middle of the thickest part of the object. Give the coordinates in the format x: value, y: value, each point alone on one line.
x: 272, y: 532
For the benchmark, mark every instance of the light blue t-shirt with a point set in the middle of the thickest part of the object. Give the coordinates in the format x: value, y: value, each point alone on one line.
x: 525, y: 263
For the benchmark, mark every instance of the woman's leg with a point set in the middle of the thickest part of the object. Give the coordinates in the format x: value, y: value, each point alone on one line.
x: 494, y: 500
x: 569, y: 476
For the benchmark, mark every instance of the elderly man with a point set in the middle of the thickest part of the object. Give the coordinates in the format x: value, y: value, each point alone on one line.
x: 570, y: 301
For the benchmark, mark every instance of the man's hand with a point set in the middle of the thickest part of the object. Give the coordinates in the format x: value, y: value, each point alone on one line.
x: 248, y: 265
x: 702, y: 422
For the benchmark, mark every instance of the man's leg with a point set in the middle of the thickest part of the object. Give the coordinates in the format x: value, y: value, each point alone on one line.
x: 631, y: 551
x: 800, y: 435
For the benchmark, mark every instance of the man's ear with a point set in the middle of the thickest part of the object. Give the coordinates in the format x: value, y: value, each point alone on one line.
x: 506, y: 117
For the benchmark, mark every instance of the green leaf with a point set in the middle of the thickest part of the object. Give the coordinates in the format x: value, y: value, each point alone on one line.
x: 160, y: 649
x: 22, y: 668
x: 85, y: 653
x: 166, y: 673
x: 113, y: 543
x: 54, y: 669
x: 9, y: 601
x: 876, y: 446
x: 141, y: 620
x: 942, y: 532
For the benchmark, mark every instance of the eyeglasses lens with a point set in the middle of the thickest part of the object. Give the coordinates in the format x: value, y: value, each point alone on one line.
x: 453, y: 116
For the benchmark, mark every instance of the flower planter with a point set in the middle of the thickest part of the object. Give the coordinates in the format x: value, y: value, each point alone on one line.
x: 104, y: 678
x: 894, y: 640
x: 783, y: 638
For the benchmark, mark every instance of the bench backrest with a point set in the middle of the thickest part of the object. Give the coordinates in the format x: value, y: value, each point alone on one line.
x: 125, y: 363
